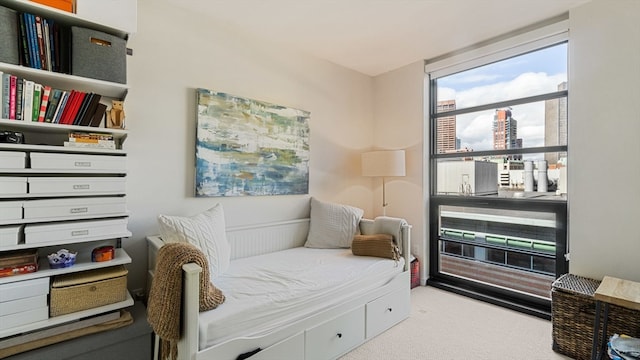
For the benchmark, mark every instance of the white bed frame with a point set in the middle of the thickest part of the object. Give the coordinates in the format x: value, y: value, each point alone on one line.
x: 325, y: 335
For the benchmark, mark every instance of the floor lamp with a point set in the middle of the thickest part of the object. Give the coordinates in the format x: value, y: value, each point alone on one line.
x: 384, y: 163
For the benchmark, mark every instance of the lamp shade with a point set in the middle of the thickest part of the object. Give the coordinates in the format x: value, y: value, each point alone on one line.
x: 383, y: 163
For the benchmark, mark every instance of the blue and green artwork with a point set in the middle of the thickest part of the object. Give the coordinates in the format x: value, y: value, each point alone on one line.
x: 246, y: 147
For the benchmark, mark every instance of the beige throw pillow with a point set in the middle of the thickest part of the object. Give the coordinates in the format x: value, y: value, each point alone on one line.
x: 332, y: 225
x: 206, y: 231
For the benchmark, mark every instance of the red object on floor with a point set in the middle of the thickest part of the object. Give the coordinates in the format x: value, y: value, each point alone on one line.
x: 415, y: 276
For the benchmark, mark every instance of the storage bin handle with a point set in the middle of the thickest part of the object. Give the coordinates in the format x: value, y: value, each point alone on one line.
x: 101, y: 42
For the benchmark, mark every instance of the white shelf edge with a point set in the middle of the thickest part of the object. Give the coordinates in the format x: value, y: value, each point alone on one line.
x: 62, y: 172
x: 121, y: 258
x: 49, y: 195
x: 61, y: 15
x: 62, y: 218
x: 61, y: 128
x: 59, y: 320
x: 64, y: 81
x: 65, y: 242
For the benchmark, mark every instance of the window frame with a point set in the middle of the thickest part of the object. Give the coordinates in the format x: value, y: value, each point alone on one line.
x: 519, y: 44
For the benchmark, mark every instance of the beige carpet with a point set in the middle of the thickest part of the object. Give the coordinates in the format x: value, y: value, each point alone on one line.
x: 443, y: 325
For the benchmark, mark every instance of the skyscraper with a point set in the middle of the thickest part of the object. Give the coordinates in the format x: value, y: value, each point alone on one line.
x: 446, y: 128
x: 505, y: 132
x: 555, y: 125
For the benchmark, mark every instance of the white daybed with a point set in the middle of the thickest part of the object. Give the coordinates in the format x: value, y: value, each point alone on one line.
x: 360, y: 297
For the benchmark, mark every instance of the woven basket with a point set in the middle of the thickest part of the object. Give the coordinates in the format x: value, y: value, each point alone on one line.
x: 87, y: 290
x: 573, y: 314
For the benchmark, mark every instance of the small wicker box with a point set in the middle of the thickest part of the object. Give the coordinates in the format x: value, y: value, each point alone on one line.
x: 573, y: 315
x: 87, y: 290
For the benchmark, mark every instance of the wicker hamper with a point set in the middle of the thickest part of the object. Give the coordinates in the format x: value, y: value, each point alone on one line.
x: 87, y: 290
x: 573, y: 314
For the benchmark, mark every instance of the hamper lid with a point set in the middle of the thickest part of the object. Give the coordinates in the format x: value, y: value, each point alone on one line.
x: 576, y: 284
x: 89, y: 276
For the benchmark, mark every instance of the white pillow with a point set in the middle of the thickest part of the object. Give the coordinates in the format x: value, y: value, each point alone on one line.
x: 332, y: 225
x: 206, y: 231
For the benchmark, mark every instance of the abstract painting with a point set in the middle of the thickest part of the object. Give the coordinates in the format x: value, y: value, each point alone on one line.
x: 246, y: 147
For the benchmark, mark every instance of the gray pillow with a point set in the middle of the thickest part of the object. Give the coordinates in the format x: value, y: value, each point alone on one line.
x: 332, y: 225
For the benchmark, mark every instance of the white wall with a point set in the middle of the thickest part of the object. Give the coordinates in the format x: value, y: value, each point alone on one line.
x: 604, y: 134
x: 176, y: 52
x: 399, y: 124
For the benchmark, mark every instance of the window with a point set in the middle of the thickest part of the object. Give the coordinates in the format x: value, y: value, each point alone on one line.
x: 498, y: 161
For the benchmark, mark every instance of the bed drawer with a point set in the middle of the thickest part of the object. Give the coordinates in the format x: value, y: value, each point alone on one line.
x: 288, y: 349
x: 386, y: 311
x: 336, y: 336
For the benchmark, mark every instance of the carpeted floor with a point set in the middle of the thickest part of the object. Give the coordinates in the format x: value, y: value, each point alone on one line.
x: 443, y: 325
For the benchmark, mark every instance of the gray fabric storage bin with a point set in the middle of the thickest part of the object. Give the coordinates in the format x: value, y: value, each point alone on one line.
x: 98, y: 55
x: 9, y: 36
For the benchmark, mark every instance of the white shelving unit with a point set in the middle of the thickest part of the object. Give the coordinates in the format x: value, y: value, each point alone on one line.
x: 49, y: 138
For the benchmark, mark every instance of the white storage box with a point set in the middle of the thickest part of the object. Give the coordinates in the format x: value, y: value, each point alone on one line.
x: 22, y: 318
x: 10, y: 210
x: 13, y: 185
x: 21, y: 305
x: 12, y: 160
x: 39, y: 209
x: 75, y: 231
x: 53, y: 161
x: 23, y: 289
x: 77, y: 185
x: 10, y: 235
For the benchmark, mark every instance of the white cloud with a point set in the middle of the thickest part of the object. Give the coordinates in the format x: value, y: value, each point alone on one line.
x: 475, y: 130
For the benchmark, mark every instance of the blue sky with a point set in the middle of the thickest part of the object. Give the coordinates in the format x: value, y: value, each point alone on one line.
x: 530, y: 74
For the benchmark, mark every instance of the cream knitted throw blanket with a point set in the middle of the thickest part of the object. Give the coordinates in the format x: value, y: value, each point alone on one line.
x: 164, y: 305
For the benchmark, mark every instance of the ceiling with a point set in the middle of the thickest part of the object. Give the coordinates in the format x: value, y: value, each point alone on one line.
x: 376, y: 36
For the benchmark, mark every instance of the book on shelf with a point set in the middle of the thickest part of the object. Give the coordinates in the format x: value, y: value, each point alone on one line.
x: 93, y: 136
x: 74, y: 108
x: 91, y: 110
x: 97, y: 117
x: 40, y: 39
x: 64, y: 106
x: 42, y: 43
x: 62, y: 103
x: 18, y: 99
x: 91, y: 140
x: 82, y: 109
x: 4, y: 97
x: 27, y: 100
x: 12, y: 96
x: 37, y: 100
x: 22, y: 42
x: 54, y: 98
x: 46, y: 92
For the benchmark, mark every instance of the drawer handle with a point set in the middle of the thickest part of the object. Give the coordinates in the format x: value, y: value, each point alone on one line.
x: 389, y: 309
x: 339, y: 335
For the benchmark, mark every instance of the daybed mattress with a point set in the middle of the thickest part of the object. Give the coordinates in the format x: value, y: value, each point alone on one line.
x: 266, y: 292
